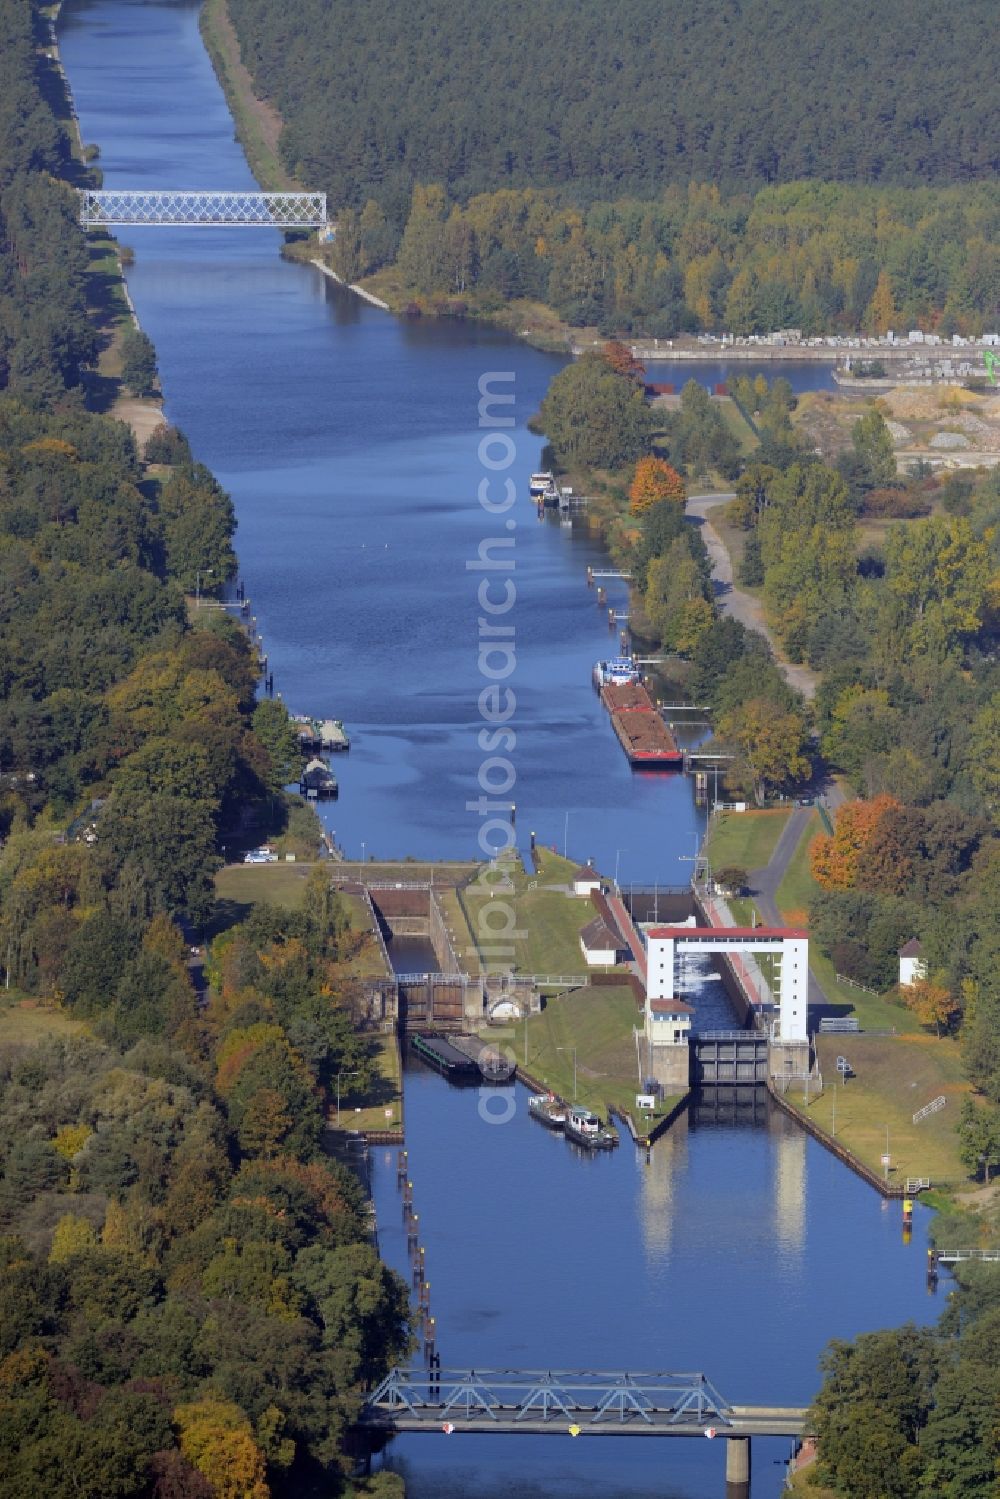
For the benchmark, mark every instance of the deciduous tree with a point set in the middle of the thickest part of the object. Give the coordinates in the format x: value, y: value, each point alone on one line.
x: 654, y: 481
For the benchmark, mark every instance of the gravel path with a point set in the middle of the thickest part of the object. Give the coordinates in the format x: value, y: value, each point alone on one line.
x: 731, y: 599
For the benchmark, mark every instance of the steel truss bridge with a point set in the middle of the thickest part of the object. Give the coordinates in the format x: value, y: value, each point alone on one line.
x: 126, y: 208
x: 539, y: 1402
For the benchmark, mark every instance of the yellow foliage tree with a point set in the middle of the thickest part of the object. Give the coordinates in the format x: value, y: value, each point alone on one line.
x: 932, y: 1004
x: 71, y: 1138
x: 49, y: 447
x: 654, y: 481
x: 26, y: 1366
x: 216, y: 1438
x: 73, y: 1235
x: 694, y: 620
x: 881, y: 313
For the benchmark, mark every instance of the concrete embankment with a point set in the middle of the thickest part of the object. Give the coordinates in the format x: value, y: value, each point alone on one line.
x: 358, y: 291
x: 887, y: 1189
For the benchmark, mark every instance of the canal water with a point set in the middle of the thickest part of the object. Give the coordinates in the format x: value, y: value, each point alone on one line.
x: 351, y: 443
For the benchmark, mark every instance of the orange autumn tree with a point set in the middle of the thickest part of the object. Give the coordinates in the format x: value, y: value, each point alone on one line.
x: 837, y: 859
x: 654, y: 481
x: 932, y: 1004
x: 619, y: 357
x: 216, y: 1438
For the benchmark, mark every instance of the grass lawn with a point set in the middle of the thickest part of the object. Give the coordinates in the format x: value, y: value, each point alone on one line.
x: 374, y: 870
x: 738, y: 425
x: 382, y: 1106
x: 368, y: 961
x: 744, y: 839
x: 25, y: 1022
x: 552, y: 868
x: 249, y: 884
x: 461, y: 935
x: 548, y: 920
x: 896, y: 1076
x: 598, y: 1023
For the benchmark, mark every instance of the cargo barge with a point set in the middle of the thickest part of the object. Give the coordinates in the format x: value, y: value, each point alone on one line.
x: 446, y: 1059
x: 643, y: 735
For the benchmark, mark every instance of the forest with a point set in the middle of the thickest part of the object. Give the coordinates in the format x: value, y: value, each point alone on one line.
x: 820, y: 257
x: 190, y: 1300
x: 847, y: 182
x: 620, y: 100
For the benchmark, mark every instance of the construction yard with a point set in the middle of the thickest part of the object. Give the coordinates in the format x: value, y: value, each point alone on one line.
x: 944, y: 425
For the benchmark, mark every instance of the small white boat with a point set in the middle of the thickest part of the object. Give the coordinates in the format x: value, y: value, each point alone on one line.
x: 540, y: 483
x: 548, y: 1109
x: 618, y: 673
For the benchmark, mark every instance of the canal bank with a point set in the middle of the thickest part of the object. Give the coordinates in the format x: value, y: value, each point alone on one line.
x: 349, y: 441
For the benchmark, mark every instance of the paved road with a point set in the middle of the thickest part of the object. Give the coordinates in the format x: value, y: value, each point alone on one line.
x: 734, y: 601
x: 764, y: 884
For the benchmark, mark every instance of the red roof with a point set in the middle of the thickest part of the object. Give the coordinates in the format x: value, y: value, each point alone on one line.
x: 675, y: 1006
x: 678, y: 933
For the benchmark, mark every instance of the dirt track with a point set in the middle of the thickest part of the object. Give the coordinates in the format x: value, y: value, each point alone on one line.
x: 732, y: 600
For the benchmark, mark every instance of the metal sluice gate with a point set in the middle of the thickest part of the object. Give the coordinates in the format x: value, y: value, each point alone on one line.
x: 101, y: 208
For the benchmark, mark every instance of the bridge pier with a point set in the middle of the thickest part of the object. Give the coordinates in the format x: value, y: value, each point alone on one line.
x: 737, y: 1468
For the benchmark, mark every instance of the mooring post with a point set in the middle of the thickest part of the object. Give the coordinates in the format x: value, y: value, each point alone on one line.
x: 737, y: 1468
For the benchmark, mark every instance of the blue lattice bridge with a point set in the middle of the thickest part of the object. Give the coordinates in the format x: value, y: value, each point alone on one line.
x: 102, y: 208
x: 587, y: 1403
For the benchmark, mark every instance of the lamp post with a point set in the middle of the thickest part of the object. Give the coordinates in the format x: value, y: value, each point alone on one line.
x: 566, y: 835
x: 618, y: 854
x: 886, y: 1158
x: 573, y: 1050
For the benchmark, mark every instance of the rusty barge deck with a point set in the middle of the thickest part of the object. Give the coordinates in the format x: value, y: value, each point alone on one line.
x: 643, y: 735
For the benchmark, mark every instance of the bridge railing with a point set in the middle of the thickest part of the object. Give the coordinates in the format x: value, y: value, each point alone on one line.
x: 759, y: 1036
x: 435, y: 978
x: 545, y: 1394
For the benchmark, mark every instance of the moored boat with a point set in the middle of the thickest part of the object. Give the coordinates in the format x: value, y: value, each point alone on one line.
x: 449, y: 1061
x: 584, y: 1128
x: 495, y: 1067
x: 548, y: 1109
x: 645, y: 738
x: 619, y: 672
x: 539, y: 483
